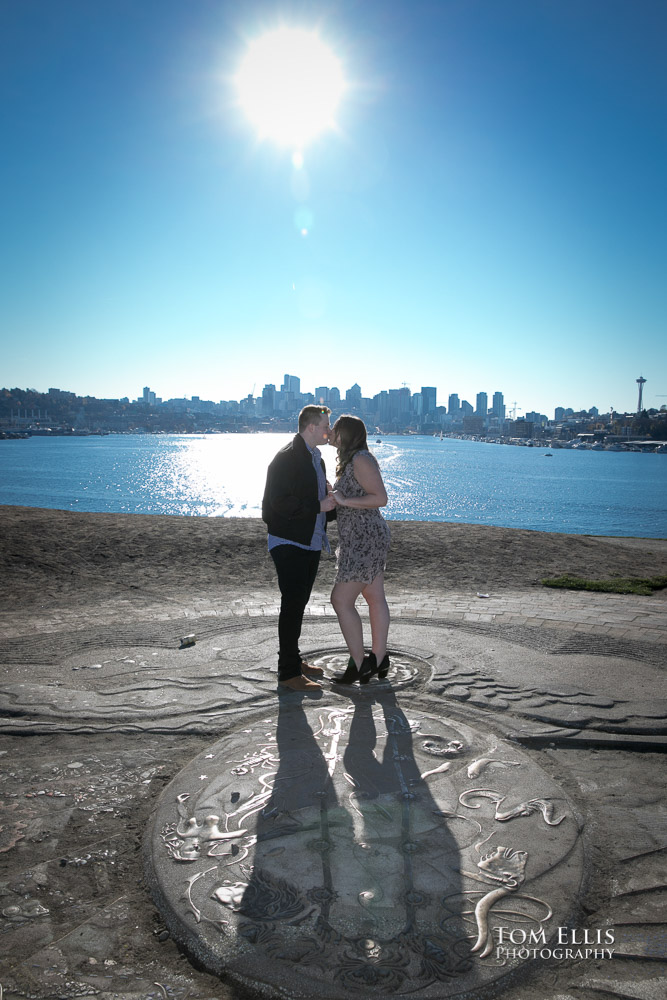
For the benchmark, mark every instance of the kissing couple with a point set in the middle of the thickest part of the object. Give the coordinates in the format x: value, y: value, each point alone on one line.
x: 297, y: 505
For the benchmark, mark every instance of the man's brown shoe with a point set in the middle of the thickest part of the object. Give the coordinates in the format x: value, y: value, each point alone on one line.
x: 310, y: 670
x: 300, y: 683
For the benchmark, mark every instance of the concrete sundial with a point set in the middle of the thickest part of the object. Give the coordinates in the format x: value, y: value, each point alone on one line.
x: 357, y: 846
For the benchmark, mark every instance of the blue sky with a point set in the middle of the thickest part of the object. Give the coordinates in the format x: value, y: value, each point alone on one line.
x: 489, y: 213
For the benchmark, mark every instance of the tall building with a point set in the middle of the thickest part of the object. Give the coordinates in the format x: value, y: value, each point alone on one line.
x: 291, y: 383
x: 498, y: 406
x: 481, y: 404
x: 381, y: 405
x: 268, y: 400
x: 322, y: 394
x: 466, y: 408
x: 428, y: 405
x: 404, y: 401
x: 353, y: 397
x: 334, y: 396
x: 453, y: 404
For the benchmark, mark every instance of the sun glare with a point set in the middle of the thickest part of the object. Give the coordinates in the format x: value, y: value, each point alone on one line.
x: 289, y: 85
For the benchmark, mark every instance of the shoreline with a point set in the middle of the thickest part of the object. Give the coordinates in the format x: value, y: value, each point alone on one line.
x: 74, y: 557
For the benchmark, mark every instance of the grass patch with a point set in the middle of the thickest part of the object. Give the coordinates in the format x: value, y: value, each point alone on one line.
x: 621, y: 585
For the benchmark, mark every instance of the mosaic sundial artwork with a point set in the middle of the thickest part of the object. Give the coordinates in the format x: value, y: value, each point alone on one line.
x: 362, y: 848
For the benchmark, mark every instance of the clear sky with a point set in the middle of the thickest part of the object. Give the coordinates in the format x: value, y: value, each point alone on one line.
x: 488, y: 213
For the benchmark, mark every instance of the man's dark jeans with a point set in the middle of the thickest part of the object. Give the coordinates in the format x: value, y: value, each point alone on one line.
x: 297, y: 569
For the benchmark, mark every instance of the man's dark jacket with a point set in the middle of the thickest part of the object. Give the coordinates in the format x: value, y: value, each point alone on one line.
x: 291, y: 503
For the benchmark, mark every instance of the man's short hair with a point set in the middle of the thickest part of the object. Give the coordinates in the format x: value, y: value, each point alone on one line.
x: 312, y: 415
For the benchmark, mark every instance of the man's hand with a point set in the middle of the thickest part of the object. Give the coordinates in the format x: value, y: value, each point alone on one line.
x: 327, y: 504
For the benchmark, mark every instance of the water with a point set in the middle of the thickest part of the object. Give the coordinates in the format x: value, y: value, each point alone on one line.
x: 579, y: 492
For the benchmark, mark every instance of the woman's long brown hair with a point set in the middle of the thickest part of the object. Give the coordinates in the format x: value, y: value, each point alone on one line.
x: 351, y: 433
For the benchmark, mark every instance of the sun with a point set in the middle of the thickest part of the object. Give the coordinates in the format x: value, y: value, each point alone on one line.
x: 290, y: 84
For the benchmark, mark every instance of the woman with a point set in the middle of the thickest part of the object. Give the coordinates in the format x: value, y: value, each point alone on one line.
x: 362, y: 550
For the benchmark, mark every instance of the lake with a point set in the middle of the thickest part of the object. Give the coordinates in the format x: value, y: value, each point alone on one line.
x: 222, y: 475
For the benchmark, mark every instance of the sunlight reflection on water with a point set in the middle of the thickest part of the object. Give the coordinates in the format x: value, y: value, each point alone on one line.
x: 214, y: 475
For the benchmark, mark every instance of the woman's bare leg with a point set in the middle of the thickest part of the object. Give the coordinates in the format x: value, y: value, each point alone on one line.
x: 343, y: 598
x: 378, y: 611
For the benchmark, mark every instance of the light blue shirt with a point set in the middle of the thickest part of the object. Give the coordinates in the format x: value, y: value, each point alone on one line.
x: 319, y: 540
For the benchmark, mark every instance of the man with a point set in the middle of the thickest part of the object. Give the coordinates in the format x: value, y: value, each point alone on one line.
x: 296, y: 507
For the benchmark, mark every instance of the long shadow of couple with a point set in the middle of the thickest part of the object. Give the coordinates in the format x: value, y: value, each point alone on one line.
x: 355, y: 870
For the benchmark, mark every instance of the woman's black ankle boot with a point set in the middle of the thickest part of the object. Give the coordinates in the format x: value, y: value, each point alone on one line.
x: 383, y: 668
x: 351, y: 674
x: 368, y: 668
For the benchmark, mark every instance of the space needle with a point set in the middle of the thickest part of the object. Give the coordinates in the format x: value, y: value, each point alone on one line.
x: 640, y: 382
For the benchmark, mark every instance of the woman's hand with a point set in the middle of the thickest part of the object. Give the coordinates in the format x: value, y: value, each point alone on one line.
x: 341, y: 501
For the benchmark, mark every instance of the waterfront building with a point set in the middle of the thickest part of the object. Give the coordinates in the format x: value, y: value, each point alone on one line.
x: 481, y: 404
x: 453, y: 404
x: 521, y: 428
x: 473, y: 425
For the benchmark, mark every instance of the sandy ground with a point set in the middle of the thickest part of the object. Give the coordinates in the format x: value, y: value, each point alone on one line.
x: 47, y: 556
x: 74, y: 807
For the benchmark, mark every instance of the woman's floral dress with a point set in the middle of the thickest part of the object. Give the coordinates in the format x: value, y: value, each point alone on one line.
x: 363, y: 533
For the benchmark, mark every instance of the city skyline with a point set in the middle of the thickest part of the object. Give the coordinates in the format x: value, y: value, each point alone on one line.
x: 489, y: 207
x: 485, y: 403
x: 59, y: 412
